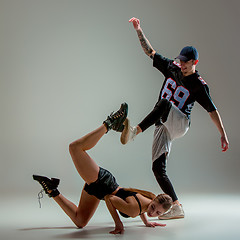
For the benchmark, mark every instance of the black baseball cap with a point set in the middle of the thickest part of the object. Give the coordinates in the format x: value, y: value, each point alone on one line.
x: 188, y: 53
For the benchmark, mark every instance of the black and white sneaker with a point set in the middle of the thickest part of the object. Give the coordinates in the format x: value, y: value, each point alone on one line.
x: 115, y: 120
x: 48, y: 185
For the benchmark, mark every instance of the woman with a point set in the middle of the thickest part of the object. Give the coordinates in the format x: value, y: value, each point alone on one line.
x: 101, y: 184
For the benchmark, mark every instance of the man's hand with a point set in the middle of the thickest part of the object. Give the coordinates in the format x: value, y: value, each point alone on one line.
x: 215, y: 116
x: 146, y: 46
x: 136, y: 23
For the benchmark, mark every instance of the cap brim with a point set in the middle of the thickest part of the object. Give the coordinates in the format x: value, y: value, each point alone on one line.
x: 181, y: 57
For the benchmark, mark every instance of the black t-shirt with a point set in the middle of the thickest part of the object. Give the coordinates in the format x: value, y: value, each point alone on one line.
x: 182, y: 91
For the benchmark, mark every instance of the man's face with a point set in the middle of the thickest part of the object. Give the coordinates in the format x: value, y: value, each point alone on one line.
x: 188, y: 67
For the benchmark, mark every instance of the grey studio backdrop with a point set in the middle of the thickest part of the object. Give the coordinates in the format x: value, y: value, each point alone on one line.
x: 65, y: 65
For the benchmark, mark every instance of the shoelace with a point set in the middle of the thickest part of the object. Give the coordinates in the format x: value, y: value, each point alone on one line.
x: 45, y: 187
x: 117, y: 114
x: 40, y: 196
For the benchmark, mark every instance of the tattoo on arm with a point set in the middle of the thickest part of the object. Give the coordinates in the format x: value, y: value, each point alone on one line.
x: 147, y: 48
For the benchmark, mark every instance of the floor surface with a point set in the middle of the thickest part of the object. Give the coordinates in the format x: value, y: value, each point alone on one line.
x: 207, y: 217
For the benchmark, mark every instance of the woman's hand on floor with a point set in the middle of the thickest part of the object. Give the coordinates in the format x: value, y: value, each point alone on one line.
x: 119, y: 229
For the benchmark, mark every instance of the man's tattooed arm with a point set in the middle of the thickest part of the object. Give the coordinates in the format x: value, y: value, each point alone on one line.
x: 146, y: 46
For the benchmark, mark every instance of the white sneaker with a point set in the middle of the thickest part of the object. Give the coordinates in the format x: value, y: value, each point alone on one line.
x: 175, y: 212
x: 129, y: 133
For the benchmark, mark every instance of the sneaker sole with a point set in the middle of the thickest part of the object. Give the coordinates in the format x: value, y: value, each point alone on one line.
x: 125, y: 132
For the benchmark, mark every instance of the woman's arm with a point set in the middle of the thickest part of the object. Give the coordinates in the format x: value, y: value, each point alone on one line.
x: 128, y: 206
x: 150, y: 224
x: 119, y: 229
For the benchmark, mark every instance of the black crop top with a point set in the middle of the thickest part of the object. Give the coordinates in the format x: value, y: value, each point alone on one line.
x: 123, y: 194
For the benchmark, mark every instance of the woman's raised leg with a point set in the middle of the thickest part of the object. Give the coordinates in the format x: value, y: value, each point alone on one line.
x: 85, y: 165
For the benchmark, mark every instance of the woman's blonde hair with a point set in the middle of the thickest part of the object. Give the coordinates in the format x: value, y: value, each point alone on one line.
x: 165, y: 200
x: 162, y: 198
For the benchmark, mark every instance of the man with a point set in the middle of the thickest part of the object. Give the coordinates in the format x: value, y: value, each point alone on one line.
x: 171, y: 115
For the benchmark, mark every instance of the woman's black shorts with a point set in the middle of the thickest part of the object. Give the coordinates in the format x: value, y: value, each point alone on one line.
x: 104, y: 185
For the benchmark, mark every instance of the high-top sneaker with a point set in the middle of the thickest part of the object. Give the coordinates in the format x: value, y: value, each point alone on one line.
x: 115, y: 120
x: 48, y: 185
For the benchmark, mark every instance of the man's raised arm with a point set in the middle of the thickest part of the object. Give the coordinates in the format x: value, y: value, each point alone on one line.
x: 146, y: 46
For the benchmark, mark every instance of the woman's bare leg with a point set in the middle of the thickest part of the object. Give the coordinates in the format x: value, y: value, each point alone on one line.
x: 88, y: 170
x: 85, y: 165
x: 83, y: 213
